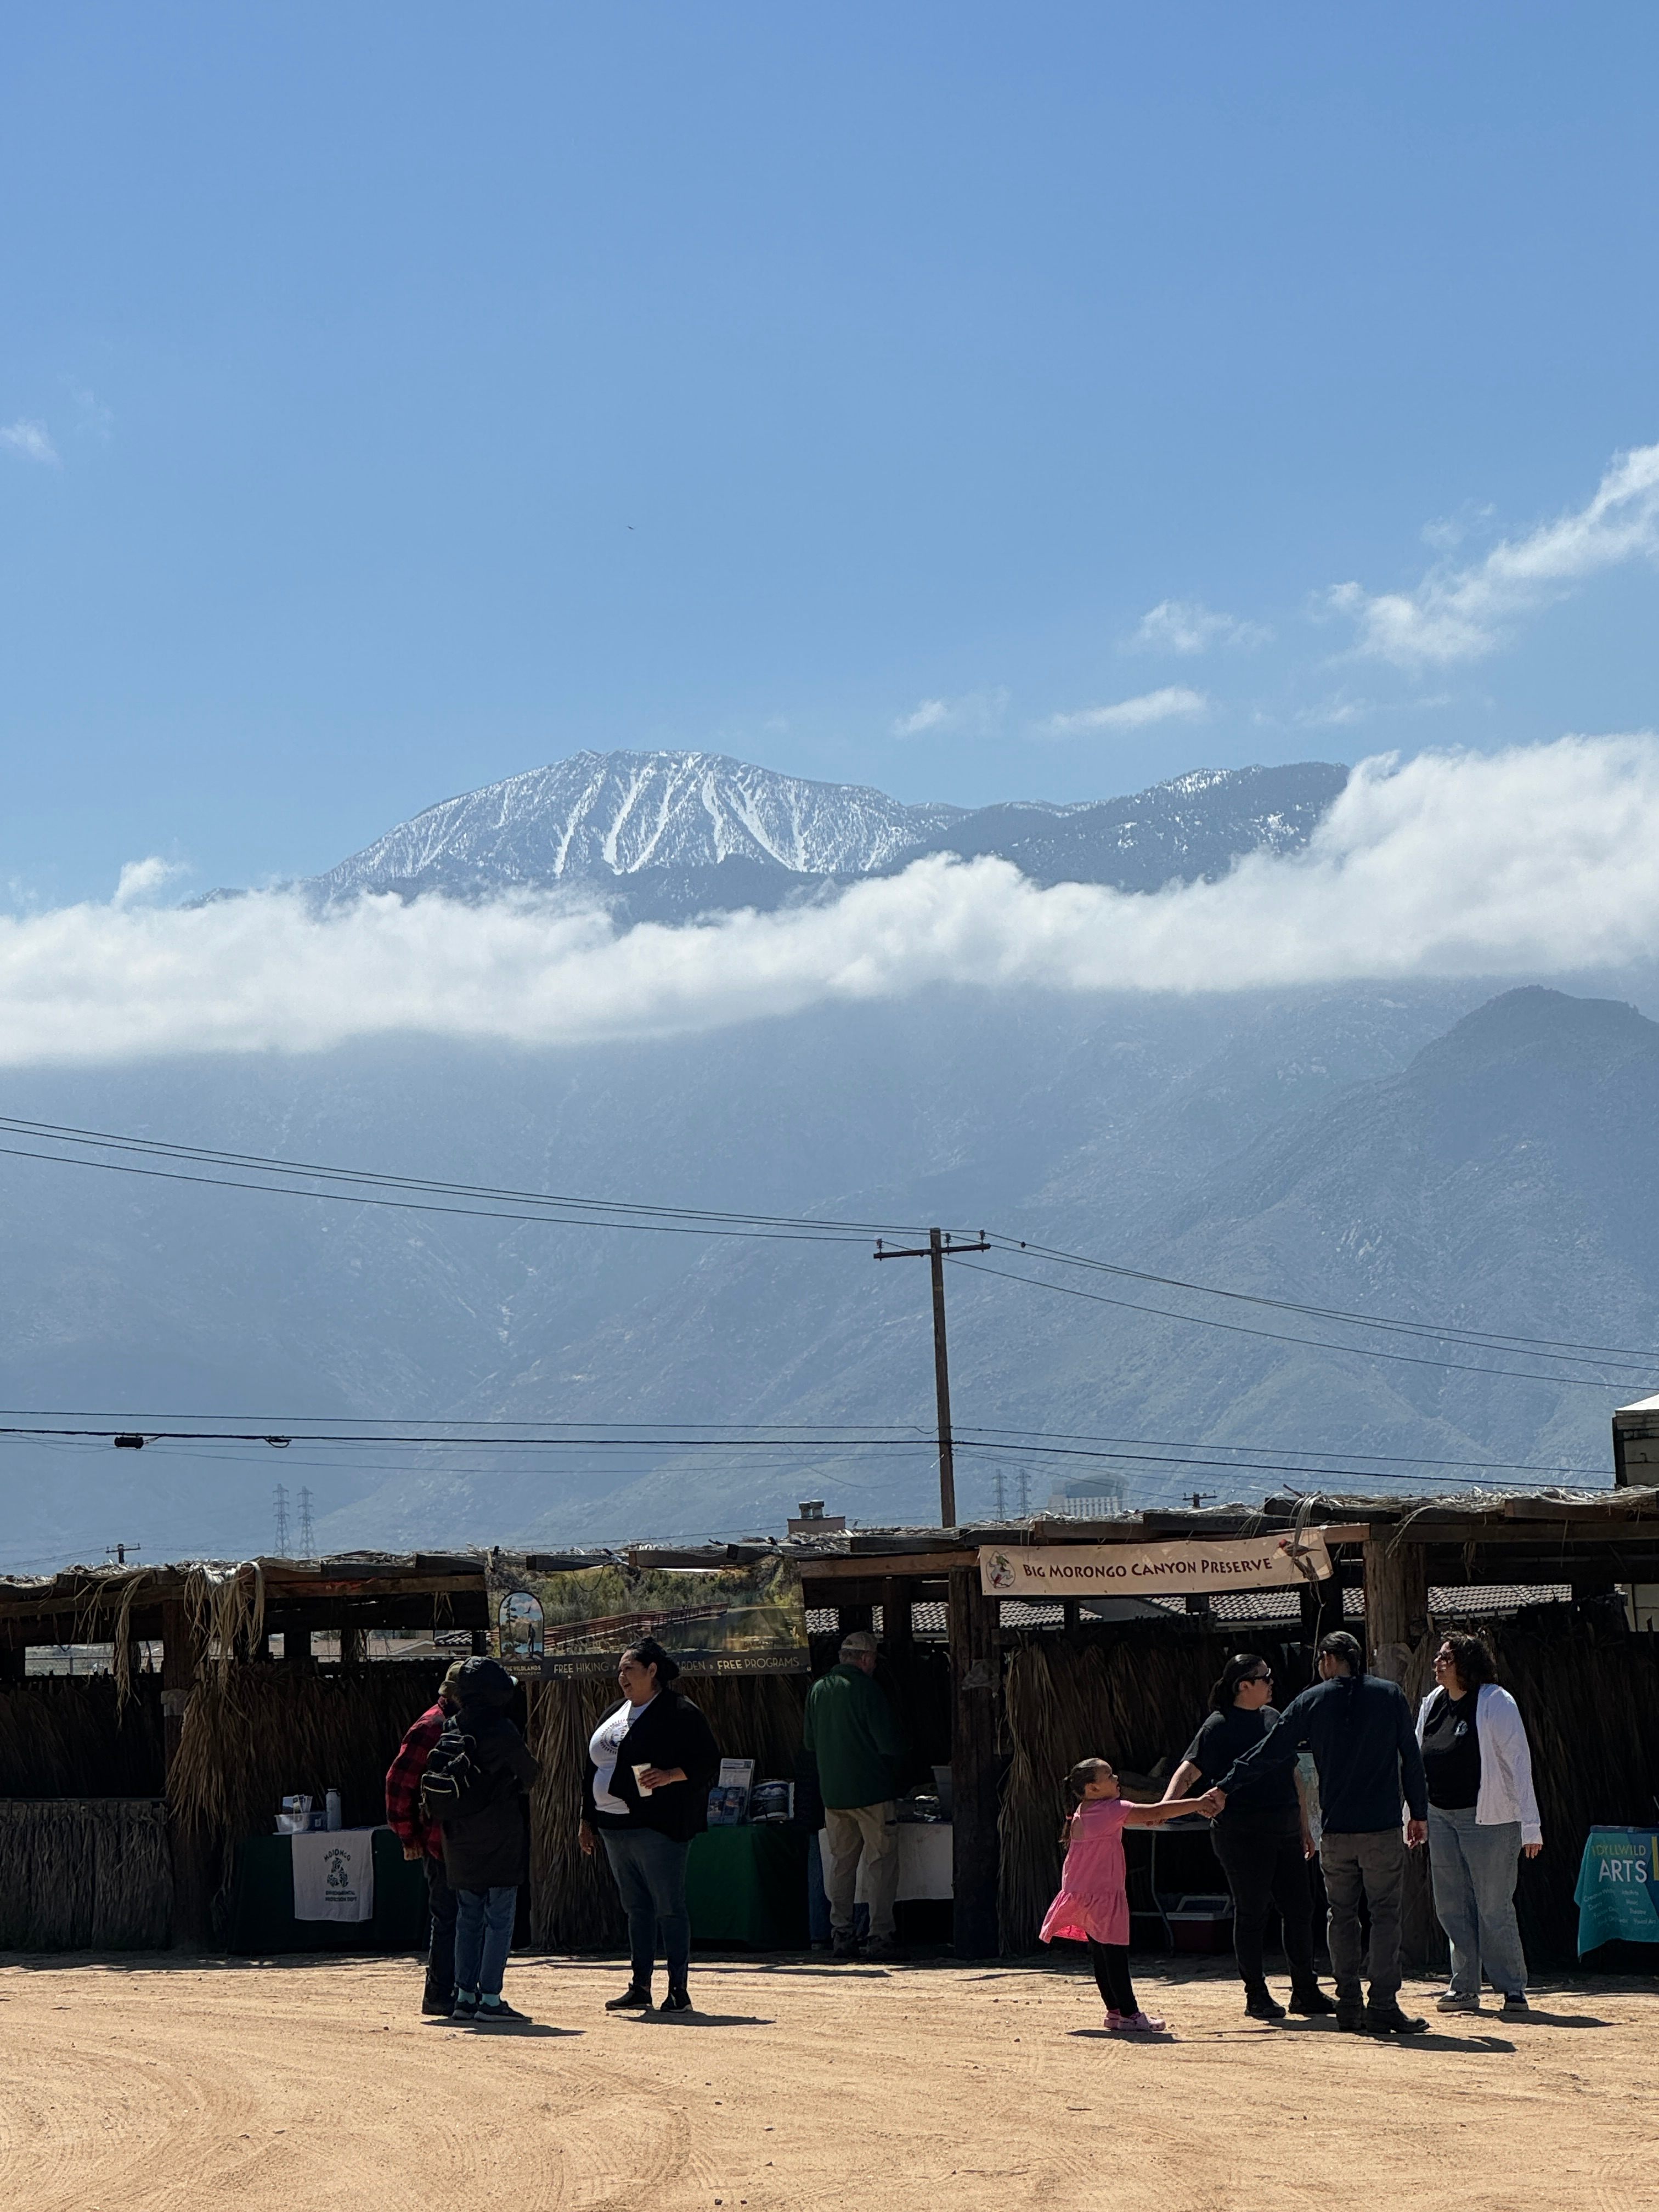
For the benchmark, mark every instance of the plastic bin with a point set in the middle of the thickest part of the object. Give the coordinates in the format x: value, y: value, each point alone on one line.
x: 1201, y: 1924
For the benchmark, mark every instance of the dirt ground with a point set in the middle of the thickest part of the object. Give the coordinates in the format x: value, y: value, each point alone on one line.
x: 309, y: 2085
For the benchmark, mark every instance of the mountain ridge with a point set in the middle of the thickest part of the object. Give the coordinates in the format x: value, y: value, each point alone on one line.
x: 666, y: 835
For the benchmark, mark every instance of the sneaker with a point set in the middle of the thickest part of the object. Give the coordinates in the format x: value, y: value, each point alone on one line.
x: 637, y: 1998
x: 1389, y: 2020
x: 1456, y: 2000
x: 495, y: 2012
x: 439, y: 2003
x: 880, y: 1947
x: 844, y: 1947
x: 464, y: 2008
x: 1262, y: 2004
x: 676, y: 2001
x: 1133, y: 2023
x: 1515, y: 2006
x: 1311, y: 2001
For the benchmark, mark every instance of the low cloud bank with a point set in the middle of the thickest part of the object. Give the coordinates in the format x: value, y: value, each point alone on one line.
x: 1535, y: 862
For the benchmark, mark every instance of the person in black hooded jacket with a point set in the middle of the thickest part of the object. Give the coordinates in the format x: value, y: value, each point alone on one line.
x: 487, y: 1842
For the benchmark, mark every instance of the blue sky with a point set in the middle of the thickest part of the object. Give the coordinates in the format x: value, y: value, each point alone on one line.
x: 394, y: 399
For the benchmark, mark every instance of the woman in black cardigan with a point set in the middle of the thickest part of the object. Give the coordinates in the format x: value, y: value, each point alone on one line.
x: 651, y: 1764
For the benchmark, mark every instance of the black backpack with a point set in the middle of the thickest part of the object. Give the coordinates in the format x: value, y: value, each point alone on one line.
x: 451, y: 1780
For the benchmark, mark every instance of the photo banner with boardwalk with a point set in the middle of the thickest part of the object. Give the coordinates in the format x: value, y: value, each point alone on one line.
x: 745, y: 1620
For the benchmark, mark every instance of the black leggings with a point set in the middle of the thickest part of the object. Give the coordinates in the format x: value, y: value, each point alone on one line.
x: 1111, y: 1964
x: 1263, y: 1870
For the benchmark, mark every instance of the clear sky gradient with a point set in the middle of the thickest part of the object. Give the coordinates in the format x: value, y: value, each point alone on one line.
x: 395, y: 397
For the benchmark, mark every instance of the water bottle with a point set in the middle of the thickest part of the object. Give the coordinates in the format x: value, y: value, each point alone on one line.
x: 332, y: 1802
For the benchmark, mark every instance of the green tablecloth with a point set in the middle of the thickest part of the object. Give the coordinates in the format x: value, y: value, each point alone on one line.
x: 748, y: 1885
x: 262, y: 1903
x: 1618, y: 1890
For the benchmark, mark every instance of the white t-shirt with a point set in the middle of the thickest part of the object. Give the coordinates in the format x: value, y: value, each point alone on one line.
x: 602, y: 1749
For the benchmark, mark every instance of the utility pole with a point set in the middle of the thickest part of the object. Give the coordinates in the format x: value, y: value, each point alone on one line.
x: 938, y: 1249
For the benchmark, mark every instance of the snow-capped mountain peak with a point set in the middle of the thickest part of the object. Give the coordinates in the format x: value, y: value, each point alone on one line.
x: 600, y: 814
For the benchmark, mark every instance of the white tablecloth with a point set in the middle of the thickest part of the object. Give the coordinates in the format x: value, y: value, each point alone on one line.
x: 923, y: 1857
x: 334, y: 1874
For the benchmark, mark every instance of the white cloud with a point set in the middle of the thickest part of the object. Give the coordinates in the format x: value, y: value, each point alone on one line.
x: 1173, y: 703
x: 140, y: 878
x: 1534, y: 862
x: 972, y: 715
x: 30, y: 439
x: 1463, y: 614
x: 1187, y: 626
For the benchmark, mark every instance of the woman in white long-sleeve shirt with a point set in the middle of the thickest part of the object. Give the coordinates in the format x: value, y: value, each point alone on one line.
x: 1483, y: 1814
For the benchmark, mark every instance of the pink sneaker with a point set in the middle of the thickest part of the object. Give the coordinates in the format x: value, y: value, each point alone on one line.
x: 1133, y: 2023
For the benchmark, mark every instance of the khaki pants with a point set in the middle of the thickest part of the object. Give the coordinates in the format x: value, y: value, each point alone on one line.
x: 870, y: 1832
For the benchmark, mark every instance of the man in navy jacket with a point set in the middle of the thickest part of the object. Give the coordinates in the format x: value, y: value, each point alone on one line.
x: 1359, y: 1730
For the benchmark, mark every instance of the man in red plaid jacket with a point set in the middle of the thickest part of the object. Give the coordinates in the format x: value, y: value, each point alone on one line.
x: 402, y: 1813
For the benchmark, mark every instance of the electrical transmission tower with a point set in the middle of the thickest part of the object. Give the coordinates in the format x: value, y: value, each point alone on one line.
x: 282, y: 1551
x: 1022, y: 1494
x: 308, y: 1541
x: 1000, y: 1496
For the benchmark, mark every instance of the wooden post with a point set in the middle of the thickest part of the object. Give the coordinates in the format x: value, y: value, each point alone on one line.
x: 976, y: 1688
x: 182, y: 1654
x: 296, y: 1644
x: 351, y: 1648
x: 14, y: 1663
x: 851, y: 1617
x: 1071, y: 1613
x: 1396, y: 1605
x: 897, y: 1622
x: 181, y: 1658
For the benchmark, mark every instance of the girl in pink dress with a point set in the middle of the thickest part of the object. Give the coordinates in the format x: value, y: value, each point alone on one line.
x: 1093, y: 1904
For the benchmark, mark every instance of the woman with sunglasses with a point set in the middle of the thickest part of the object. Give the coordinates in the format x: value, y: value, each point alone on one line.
x: 1483, y: 1815
x: 1262, y: 1837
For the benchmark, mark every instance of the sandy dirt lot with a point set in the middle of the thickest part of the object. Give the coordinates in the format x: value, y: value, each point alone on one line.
x: 313, y: 2085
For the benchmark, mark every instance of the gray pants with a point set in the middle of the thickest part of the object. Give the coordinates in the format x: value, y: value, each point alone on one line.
x: 1474, y: 1869
x: 1372, y: 1860
x: 869, y: 1832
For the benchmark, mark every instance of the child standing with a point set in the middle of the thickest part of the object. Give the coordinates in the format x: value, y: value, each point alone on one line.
x: 1093, y: 1904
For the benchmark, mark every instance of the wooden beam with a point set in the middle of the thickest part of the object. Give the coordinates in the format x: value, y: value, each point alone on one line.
x: 975, y: 1696
x: 1396, y: 1605
x: 885, y: 1566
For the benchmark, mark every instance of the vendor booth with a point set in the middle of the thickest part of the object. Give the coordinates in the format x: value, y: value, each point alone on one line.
x: 139, y: 1804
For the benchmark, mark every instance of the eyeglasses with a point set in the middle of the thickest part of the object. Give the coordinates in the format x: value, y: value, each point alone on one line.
x: 1268, y: 1677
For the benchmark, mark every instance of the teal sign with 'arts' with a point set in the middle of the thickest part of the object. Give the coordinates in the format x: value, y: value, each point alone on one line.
x: 1618, y: 1892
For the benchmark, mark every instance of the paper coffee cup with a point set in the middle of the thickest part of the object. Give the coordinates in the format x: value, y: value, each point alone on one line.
x: 640, y: 1773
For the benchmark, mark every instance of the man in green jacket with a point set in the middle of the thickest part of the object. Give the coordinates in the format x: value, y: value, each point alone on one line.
x: 852, y: 1734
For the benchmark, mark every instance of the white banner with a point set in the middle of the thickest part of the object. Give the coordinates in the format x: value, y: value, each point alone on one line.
x: 1197, y: 1563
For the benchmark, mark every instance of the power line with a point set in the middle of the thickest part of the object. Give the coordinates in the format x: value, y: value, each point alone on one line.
x: 577, y: 1211
x: 364, y: 1185
x: 1312, y: 1343
x: 1486, y: 1340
